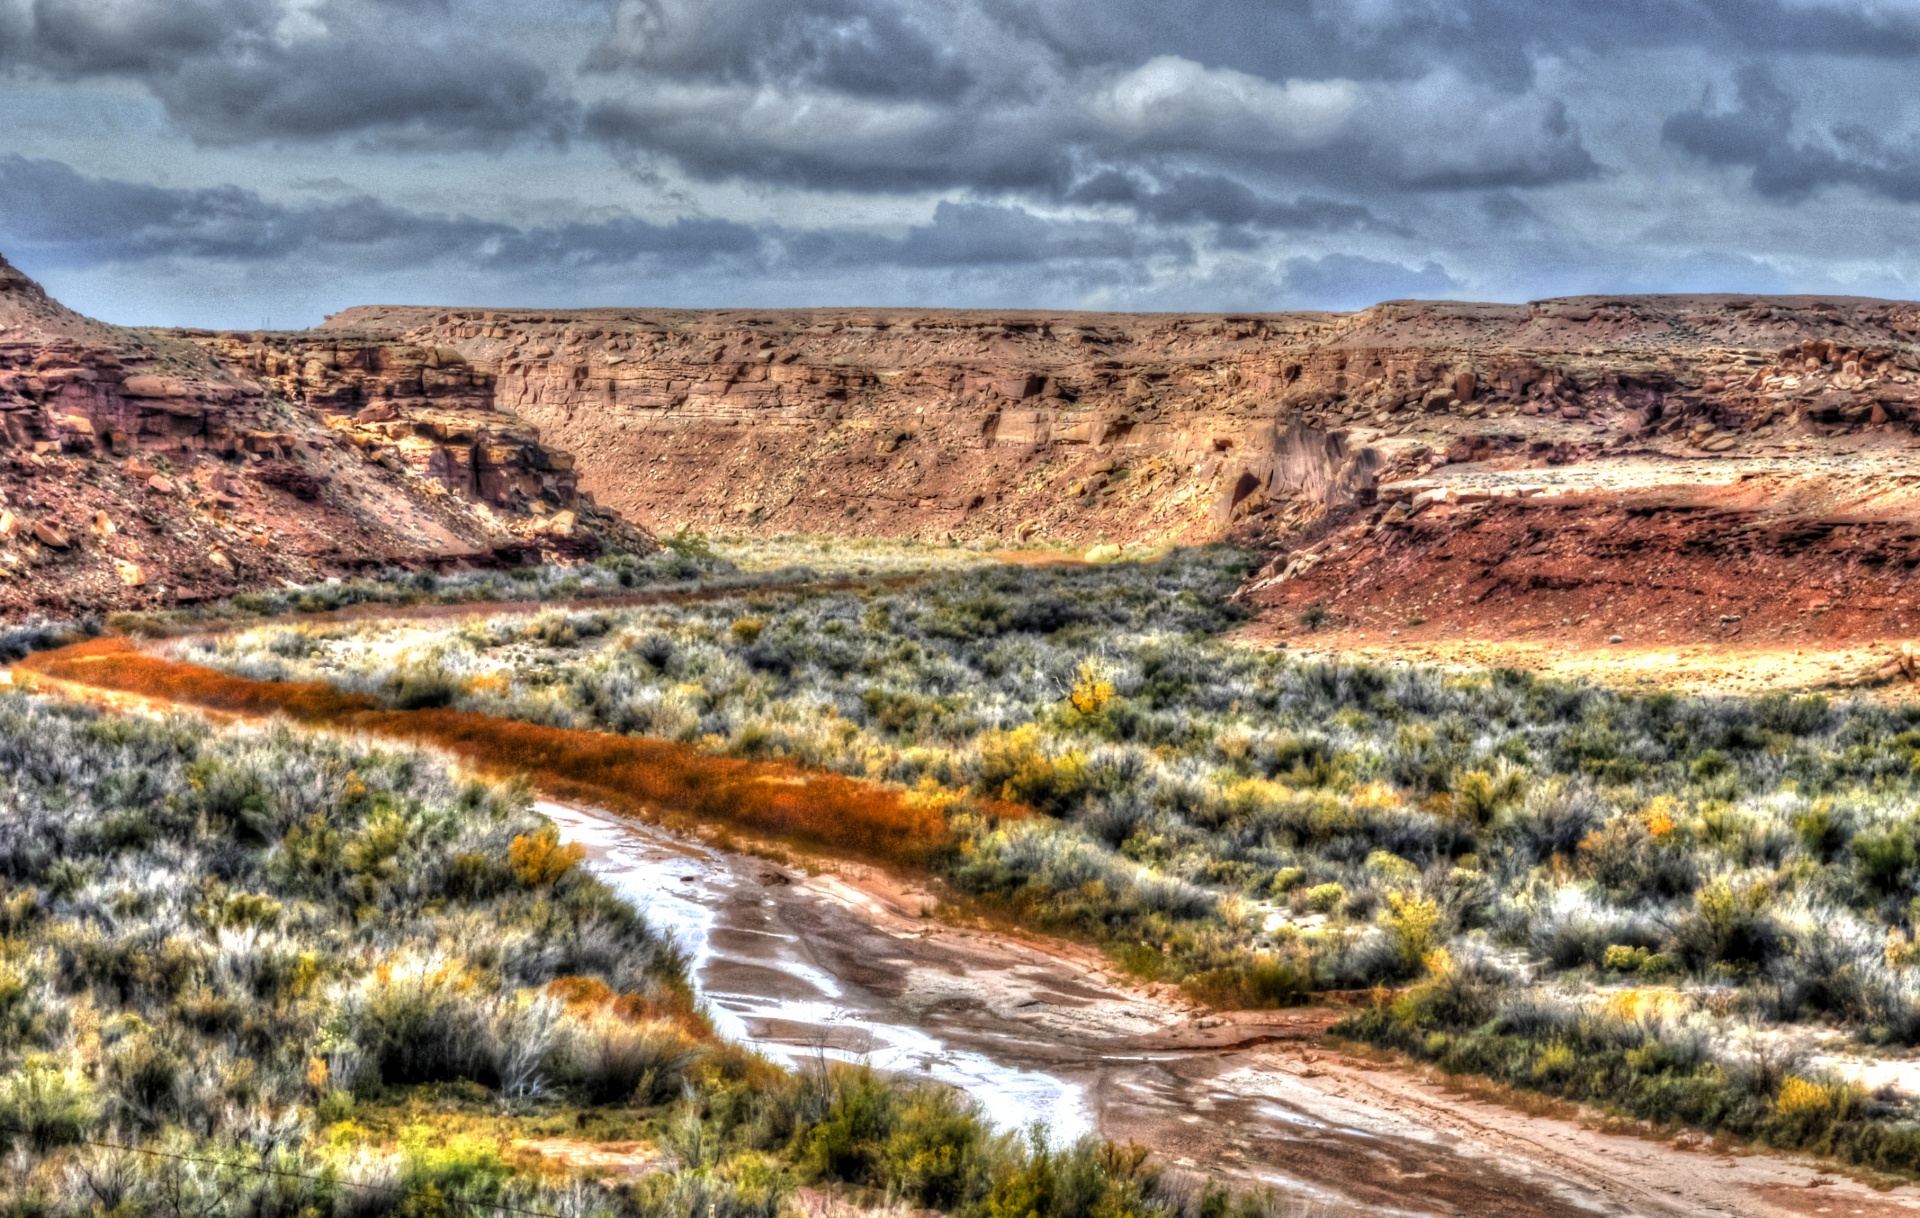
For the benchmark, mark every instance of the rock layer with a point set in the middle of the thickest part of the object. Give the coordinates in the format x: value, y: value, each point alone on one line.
x: 143, y: 468
x: 1711, y: 444
x: 424, y: 408
x: 1145, y: 426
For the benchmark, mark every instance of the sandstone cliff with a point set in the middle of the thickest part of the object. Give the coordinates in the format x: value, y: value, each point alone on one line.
x: 141, y: 468
x: 1149, y: 427
x: 1604, y: 450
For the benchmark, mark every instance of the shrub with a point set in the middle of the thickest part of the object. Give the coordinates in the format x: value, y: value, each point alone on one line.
x: 1414, y: 923
x: 932, y: 1157
x: 421, y: 1026
x: 1325, y: 898
x: 423, y: 687
x: 747, y: 630
x: 43, y: 1106
x: 1091, y: 690
x: 613, y: 1061
x: 539, y: 859
x: 1187, y: 782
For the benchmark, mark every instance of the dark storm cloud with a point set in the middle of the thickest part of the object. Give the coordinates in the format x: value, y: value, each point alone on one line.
x: 386, y: 72
x: 1496, y: 39
x: 68, y: 218
x: 1337, y: 99
x: 76, y: 38
x: 1441, y: 133
x: 1211, y: 198
x: 862, y: 95
x: 624, y: 242
x: 884, y: 95
x: 453, y: 92
x: 1309, y: 152
x: 52, y: 215
x: 1758, y: 133
x: 864, y: 48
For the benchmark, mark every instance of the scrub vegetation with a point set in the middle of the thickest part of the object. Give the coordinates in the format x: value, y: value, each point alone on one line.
x: 267, y: 972
x: 685, y: 563
x: 1691, y: 909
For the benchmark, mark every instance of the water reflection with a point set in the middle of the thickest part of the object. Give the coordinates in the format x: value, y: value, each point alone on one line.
x: 764, y: 988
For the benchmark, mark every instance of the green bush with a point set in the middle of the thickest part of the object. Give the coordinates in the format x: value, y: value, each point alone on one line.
x: 43, y: 1106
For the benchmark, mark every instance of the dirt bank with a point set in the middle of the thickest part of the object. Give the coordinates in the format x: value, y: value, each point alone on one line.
x: 632, y: 774
x: 1755, y: 575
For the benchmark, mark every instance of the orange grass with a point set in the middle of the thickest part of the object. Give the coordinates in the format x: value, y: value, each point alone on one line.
x: 626, y: 774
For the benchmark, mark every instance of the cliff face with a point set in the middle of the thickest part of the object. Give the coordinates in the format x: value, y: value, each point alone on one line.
x: 143, y: 468
x: 1661, y: 468
x: 1000, y: 425
x: 424, y: 408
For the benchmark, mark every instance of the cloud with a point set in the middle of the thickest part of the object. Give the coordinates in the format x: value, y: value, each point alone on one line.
x: 1169, y: 102
x: 52, y: 215
x: 75, y: 38
x: 972, y: 234
x: 1758, y: 133
x: 1347, y: 281
x: 830, y: 141
x: 1497, y: 41
x: 450, y: 93
x: 394, y: 73
x: 1433, y: 133
x: 861, y: 48
x: 1227, y: 153
x: 1209, y: 198
x: 863, y: 95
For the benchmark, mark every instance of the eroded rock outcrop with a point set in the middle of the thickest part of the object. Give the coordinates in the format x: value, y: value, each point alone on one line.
x: 1620, y: 464
x: 422, y: 408
x: 1153, y: 427
x: 144, y: 468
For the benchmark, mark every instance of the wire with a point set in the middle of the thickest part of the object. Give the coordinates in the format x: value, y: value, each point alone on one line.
x: 400, y: 1193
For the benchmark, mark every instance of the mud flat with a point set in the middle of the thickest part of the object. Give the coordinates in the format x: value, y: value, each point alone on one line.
x: 843, y: 965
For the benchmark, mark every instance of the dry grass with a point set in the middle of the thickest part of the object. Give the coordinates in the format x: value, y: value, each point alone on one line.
x: 621, y: 773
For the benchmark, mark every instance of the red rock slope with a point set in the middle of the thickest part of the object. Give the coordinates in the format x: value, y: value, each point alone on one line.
x: 137, y: 469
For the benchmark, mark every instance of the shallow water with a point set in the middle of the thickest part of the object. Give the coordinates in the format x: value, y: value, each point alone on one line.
x: 751, y: 945
x: 805, y: 968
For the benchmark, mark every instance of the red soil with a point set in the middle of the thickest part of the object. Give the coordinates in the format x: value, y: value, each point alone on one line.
x: 1767, y: 581
x: 626, y: 774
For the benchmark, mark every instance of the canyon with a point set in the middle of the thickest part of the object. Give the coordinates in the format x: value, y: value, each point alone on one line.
x: 1478, y: 484
x: 1644, y: 472
x: 1639, y: 471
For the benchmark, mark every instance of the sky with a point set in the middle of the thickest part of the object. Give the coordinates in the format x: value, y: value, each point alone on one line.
x: 250, y: 163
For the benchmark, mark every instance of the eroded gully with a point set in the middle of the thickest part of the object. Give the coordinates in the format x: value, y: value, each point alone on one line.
x: 843, y: 964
